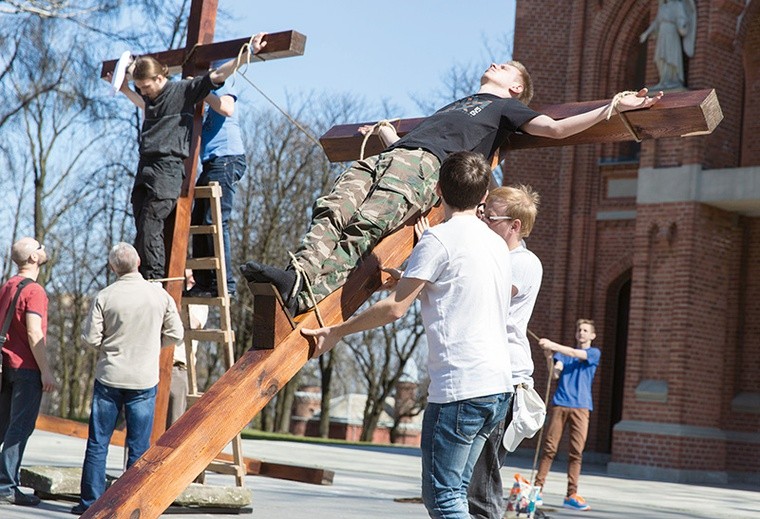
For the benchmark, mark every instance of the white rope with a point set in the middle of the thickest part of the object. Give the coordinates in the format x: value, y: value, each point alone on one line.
x: 613, y: 108
x: 300, y: 272
x: 242, y: 62
x: 546, y: 406
x: 376, y: 126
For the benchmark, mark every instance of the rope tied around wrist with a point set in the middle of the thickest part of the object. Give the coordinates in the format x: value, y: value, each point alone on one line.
x: 376, y: 127
x: 614, y: 108
x: 301, y: 273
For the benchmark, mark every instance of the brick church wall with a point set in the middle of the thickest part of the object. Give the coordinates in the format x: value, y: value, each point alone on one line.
x: 694, y: 319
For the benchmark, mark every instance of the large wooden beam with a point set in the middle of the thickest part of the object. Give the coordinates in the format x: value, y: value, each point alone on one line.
x: 283, y: 44
x: 152, y: 483
x: 253, y: 466
x: 677, y: 114
x: 200, y: 31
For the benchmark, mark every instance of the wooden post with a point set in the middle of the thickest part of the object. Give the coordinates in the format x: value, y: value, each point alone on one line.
x: 194, y: 60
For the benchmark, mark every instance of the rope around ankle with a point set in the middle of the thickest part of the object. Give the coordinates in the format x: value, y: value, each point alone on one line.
x: 376, y: 126
x: 613, y: 107
x: 300, y: 272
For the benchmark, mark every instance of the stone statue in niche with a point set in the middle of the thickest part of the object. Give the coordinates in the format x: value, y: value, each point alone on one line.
x: 675, y: 30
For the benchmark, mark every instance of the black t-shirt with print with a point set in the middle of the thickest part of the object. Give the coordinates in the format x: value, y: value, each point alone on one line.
x: 479, y: 123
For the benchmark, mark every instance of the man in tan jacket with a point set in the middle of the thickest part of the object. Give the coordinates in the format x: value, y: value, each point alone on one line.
x: 129, y: 322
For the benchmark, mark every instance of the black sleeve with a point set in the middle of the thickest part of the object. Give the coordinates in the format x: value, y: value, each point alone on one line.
x: 199, y: 87
x: 515, y: 114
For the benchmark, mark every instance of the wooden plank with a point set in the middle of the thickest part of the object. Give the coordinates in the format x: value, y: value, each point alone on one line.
x: 253, y: 466
x: 209, y: 335
x: 208, y: 301
x: 270, y: 319
x: 678, y: 114
x: 343, y: 142
x: 284, y: 44
x: 313, y: 475
x: 202, y: 263
x: 212, y: 191
x: 203, y: 229
x: 57, y: 425
x: 152, y: 483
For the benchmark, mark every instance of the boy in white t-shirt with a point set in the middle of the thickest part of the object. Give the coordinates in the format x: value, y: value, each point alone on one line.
x: 461, y: 272
x: 511, y: 213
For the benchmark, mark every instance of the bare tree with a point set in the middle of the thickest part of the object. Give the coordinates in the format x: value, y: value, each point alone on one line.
x: 68, y: 156
x: 382, y: 355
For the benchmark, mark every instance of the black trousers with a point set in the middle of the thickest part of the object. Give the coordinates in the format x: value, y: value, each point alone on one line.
x: 154, y: 196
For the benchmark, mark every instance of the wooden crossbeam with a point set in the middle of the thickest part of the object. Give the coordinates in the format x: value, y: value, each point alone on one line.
x: 677, y: 114
x: 188, y: 446
x: 284, y: 44
x: 253, y: 466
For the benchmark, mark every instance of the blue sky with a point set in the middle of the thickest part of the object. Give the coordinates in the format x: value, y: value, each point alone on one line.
x: 378, y: 50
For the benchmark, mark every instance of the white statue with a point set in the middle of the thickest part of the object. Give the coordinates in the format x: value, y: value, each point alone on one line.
x: 675, y: 30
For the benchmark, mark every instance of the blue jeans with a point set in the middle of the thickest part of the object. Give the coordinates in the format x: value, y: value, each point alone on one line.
x: 20, y: 399
x: 485, y: 495
x: 107, y: 401
x: 452, y: 438
x: 228, y: 171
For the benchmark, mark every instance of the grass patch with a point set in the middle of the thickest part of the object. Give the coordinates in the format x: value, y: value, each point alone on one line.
x: 255, y: 434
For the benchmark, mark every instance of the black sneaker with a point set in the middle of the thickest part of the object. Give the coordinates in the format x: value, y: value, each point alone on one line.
x: 18, y: 498
x: 78, y: 509
x: 283, y: 280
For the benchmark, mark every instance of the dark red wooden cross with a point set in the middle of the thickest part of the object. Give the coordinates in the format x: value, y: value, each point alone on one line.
x: 194, y: 59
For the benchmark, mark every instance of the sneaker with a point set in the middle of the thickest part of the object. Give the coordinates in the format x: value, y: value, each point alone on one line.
x: 78, y: 509
x: 20, y: 499
x: 576, y: 502
x: 286, y: 281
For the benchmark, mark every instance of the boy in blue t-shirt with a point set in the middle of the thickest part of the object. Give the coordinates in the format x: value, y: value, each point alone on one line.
x: 575, y: 368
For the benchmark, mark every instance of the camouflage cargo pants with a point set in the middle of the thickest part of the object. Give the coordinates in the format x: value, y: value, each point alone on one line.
x: 369, y: 200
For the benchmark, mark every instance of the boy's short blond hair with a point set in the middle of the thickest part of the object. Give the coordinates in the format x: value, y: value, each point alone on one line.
x: 519, y: 202
x: 527, y: 94
x: 586, y: 321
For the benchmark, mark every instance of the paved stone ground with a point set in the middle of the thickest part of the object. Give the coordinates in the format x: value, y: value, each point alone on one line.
x: 369, y: 479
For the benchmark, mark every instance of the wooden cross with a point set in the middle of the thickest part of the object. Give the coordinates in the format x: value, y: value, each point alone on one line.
x: 193, y: 60
x: 677, y: 114
x: 150, y: 485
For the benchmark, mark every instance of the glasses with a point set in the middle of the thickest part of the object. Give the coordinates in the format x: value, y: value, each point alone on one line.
x: 480, y: 211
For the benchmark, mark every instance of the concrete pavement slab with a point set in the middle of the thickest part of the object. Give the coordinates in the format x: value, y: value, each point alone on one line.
x: 368, y: 479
